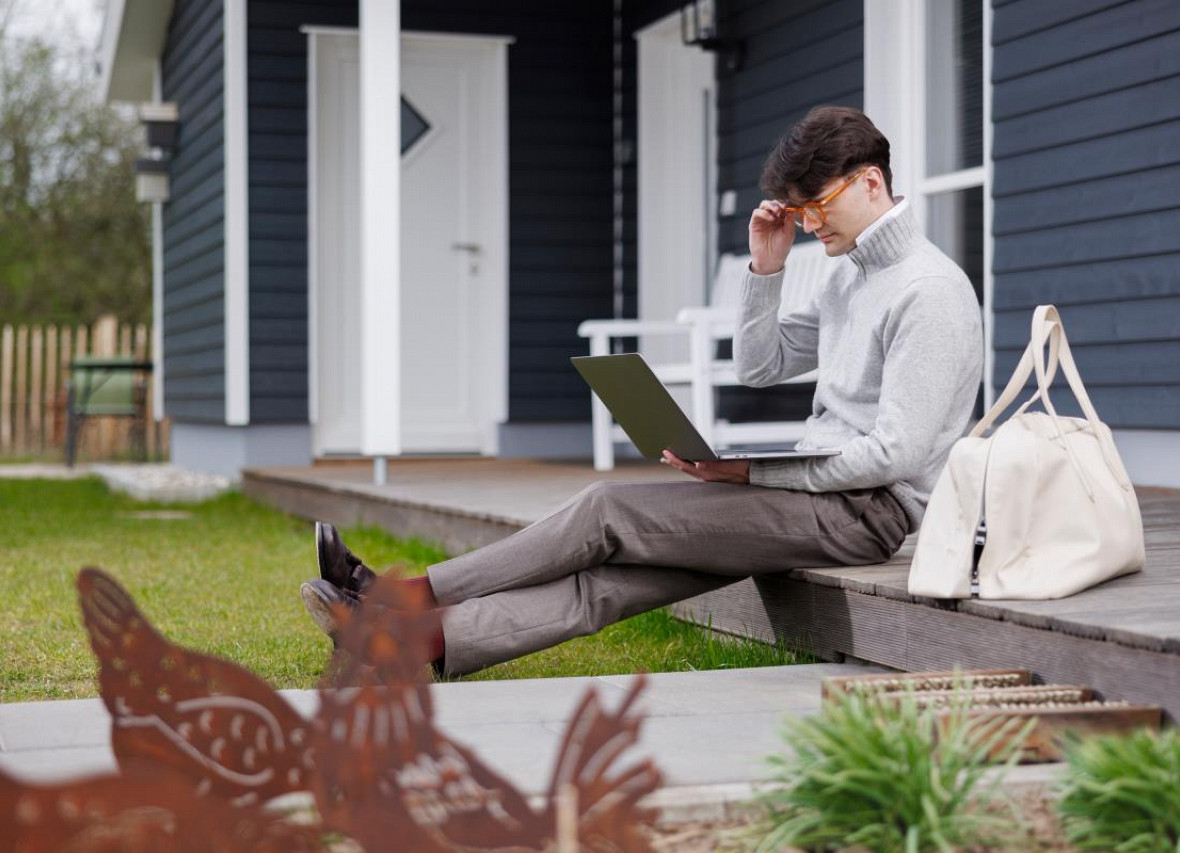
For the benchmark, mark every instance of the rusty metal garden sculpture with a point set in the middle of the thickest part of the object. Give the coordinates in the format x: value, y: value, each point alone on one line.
x: 205, y: 747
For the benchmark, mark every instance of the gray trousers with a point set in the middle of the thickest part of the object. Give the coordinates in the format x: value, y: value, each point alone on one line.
x: 618, y: 549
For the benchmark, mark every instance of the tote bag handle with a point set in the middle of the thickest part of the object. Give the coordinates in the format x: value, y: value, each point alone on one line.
x: 1020, y: 374
x: 1046, y: 325
x: 1051, y: 325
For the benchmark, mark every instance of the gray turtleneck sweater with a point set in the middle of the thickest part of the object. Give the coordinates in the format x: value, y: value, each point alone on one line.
x: 896, y: 336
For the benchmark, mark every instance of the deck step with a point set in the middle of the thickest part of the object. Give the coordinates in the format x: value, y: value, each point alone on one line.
x: 1059, y: 709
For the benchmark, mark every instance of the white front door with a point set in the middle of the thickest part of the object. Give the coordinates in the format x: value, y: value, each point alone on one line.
x: 453, y: 151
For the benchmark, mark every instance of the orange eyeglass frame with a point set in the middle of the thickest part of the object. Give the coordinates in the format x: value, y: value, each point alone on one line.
x: 815, y: 210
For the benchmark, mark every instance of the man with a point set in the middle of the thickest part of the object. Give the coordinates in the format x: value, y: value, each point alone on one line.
x: 896, y: 337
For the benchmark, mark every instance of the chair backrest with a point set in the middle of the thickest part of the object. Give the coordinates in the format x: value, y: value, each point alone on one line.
x: 103, y: 390
x: 808, y: 267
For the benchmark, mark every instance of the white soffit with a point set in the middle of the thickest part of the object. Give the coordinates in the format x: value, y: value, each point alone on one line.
x: 133, y: 35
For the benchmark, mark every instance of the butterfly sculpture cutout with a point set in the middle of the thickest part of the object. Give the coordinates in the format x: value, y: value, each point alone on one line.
x: 209, y: 755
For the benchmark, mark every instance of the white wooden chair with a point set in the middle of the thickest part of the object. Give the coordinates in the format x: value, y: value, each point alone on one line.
x: 807, y: 269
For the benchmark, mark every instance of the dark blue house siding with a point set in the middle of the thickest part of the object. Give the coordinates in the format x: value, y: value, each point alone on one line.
x: 560, y: 225
x: 798, y: 55
x: 194, y: 328
x: 1086, y: 111
x: 277, y: 104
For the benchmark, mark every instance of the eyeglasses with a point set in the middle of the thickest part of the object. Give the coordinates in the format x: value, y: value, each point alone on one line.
x: 815, y: 212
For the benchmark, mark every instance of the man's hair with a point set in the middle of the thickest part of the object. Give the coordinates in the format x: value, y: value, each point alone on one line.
x: 827, y: 143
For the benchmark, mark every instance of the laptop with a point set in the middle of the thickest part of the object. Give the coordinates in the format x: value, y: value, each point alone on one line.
x: 652, y: 419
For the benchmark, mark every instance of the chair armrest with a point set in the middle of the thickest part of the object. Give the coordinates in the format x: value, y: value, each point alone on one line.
x: 706, y: 313
x: 629, y: 328
x: 720, y: 322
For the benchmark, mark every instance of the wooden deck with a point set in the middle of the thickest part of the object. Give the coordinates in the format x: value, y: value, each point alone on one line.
x: 1122, y: 638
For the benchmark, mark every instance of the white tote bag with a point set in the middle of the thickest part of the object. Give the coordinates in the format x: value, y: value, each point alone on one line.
x: 1041, y: 508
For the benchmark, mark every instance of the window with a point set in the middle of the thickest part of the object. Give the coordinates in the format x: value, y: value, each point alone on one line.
x: 951, y: 189
x: 926, y: 87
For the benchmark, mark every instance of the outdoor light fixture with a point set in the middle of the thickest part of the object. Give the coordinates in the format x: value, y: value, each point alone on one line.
x: 698, y: 26
x: 151, y: 172
x: 159, y: 123
x: 151, y: 180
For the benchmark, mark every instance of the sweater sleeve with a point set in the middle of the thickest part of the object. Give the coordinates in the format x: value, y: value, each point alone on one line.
x: 932, y: 343
x: 767, y: 350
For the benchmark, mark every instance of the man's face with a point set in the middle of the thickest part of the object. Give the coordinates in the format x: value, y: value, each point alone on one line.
x: 848, y: 214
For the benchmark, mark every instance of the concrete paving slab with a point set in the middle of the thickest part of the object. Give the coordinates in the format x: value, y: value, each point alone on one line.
x: 524, y: 753
x: 700, y: 725
x: 62, y: 724
x: 711, y: 749
x: 529, y: 700
x: 54, y: 765
x: 773, y: 689
x: 708, y: 732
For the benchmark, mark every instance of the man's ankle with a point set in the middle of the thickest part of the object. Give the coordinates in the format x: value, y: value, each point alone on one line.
x: 421, y: 590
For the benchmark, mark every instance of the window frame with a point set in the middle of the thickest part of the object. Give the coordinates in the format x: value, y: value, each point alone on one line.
x: 895, y: 63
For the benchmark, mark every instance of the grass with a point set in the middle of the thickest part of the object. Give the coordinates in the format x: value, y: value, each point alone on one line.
x: 224, y: 580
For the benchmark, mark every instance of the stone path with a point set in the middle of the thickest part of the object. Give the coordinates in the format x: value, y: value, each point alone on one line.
x: 42, y: 471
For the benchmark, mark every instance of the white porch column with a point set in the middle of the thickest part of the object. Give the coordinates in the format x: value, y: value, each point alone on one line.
x: 380, y: 161
x: 893, y: 66
x: 237, y: 218
x: 156, y: 351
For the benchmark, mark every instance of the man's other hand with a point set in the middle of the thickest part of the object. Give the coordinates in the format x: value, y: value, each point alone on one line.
x: 772, y: 233
x: 735, y: 471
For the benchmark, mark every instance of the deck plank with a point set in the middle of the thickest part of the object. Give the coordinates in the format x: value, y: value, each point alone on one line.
x: 912, y: 637
x: 865, y: 611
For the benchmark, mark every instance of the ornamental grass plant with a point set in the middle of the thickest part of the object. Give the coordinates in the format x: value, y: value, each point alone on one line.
x: 879, y: 773
x: 1122, y: 793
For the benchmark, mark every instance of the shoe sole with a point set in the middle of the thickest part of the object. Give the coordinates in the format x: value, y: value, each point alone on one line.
x: 319, y: 550
x: 319, y: 610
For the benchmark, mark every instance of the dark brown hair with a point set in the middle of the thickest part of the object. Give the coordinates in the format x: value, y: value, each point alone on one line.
x: 826, y: 143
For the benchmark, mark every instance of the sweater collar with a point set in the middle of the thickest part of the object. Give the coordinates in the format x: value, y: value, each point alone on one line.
x: 885, y: 241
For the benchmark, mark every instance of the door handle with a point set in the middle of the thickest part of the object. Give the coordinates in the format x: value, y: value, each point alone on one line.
x: 473, y: 248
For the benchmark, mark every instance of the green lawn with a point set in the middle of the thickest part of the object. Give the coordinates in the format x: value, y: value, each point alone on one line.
x: 225, y: 580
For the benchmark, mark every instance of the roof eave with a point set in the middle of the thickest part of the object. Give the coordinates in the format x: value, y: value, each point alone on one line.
x: 133, y: 37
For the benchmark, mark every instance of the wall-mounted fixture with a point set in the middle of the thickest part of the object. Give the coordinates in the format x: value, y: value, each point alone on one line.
x: 151, y: 180
x: 159, y: 124
x: 152, y: 172
x: 698, y: 26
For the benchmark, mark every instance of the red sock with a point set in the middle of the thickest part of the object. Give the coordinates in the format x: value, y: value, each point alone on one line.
x: 420, y: 589
x: 438, y: 646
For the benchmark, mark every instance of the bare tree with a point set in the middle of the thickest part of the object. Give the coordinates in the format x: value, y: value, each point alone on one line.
x: 73, y: 240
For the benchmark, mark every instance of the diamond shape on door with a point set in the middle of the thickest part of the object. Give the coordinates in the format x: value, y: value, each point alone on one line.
x: 414, y: 126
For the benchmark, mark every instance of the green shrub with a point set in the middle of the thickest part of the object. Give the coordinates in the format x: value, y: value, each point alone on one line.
x: 1122, y: 793
x: 886, y: 776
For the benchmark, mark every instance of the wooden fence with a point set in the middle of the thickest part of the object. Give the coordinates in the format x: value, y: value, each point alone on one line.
x: 34, y: 368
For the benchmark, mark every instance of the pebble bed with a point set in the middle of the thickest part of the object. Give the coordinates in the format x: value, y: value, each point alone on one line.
x: 162, y: 482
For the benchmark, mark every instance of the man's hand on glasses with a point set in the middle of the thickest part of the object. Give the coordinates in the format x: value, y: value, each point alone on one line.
x: 772, y: 233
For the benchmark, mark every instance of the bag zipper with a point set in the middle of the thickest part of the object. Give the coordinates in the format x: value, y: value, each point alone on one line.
x: 981, y: 528
x: 980, y: 541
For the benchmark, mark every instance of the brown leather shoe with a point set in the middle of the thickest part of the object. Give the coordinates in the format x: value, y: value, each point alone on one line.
x: 339, y: 566
x: 319, y: 599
